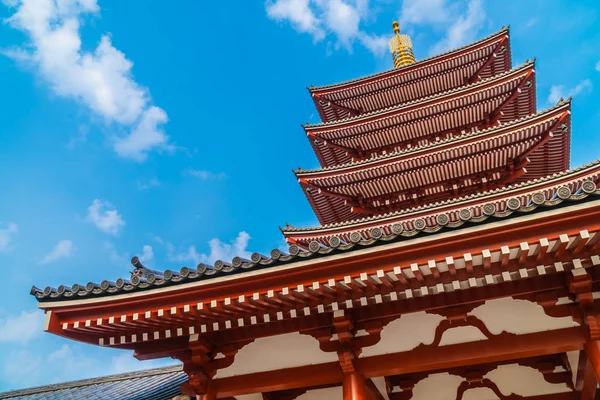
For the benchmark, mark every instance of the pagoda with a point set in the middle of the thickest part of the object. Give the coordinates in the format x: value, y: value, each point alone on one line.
x: 457, y: 256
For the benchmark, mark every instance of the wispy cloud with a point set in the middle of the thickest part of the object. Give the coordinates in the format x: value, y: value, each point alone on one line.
x: 101, y: 80
x: 424, y: 12
x: 149, y: 184
x: 63, y: 249
x: 147, y: 253
x: 204, y: 174
x: 464, y: 29
x: 105, y: 217
x: 218, y: 251
x: 560, y: 91
x: 598, y: 66
x: 21, y: 328
x: 6, y: 235
x: 340, y: 19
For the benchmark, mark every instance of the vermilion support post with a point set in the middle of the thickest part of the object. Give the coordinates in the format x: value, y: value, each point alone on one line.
x: 354, y: 386
x: 593, y: 353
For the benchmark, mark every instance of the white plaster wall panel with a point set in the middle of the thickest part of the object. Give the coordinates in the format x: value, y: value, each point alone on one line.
x: 462, y: 334
x: 323, y: 394
x: 573, y: 357
x: 380, y: 385
x: 256, y: 396
x: 523, y: 381
x: 438, y: 386
x: 405, y: 333
x: 277, y: 352
x: 518, y: 316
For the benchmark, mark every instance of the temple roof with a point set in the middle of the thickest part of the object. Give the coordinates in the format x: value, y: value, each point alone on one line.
x: 152, y: 384
x: 577, y: 185
x: 479, y: 60
x: 502, y: 98
x: 469, y: 162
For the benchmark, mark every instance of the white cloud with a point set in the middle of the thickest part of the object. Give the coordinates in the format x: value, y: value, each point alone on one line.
x: 21, y: 328
x: 298, y: 13
x: 100, y: 80
x: 24, y: 368
x: 464, y: 29
x: 105, y: 217
x: 218, y: 251
x: 320, y: 18
x: 148, y: 185
x: 203, y: 174
x: 6, y: 235
x: 147, y: 253
x: 63, y: 249
x: 598, y: 66
x: 424, y: 12
x: 559, y: 91
x: 114, y: 256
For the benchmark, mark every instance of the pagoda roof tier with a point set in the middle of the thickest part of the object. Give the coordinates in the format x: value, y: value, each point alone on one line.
x: 498, y: 99
x: 563, y: 189
x: 455, y: 212
x: 479, y: 60
x: 451, y: 168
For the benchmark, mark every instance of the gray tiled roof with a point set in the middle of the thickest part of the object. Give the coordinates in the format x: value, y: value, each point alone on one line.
x: 145, y: 279
x: 152, y: 384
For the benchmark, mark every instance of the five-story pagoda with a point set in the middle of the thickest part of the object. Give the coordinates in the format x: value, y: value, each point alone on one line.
x: 458, y: 256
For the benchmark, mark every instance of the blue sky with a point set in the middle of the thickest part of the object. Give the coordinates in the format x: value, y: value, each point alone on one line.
x: 170, y: 132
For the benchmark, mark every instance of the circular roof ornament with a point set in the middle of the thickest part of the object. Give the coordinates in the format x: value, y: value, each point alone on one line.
x: 513, y: 203
x: 588, y: 187
x: 538, y: 198
x: 275, y: 254
x: 294, y: 250
x: 376, y: 233
x: 90, y: 286
x: 355, y: 237
x: 334, y: 242
x: 256, y: 257
x: 420, y: 224
x: 47, y: 291
x: 75, y: 288
x: 219, y: 264
x: 201, y: 268
x: 104, y: 285
x: 60, y: 290
x: 397, y: 228
x: 135, y: 280
x: 168, y: 275
x: 314, y: 246
x: 151, y: 278
x: 489, y: 209
x: 465, y: 214
x: 564, y: 192
x: 120, y: 283
x: 237, y: 262
x: 442, y: 219
x: 184, y: 272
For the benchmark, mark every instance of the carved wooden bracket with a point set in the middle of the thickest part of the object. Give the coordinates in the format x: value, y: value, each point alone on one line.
x: 483, y: 383
x: 457, y: 317
x: 549, y: 302
x: 200, y: 363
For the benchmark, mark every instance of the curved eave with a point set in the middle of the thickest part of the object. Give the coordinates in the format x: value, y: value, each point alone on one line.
x: 573, y: 179
x: 379, y: 114
x: 421, y: 79
x: 433, y: 147
x: 419, y: 64
x: 184, y: 284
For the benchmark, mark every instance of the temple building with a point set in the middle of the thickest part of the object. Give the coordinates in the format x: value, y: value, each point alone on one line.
x: 457, y: 257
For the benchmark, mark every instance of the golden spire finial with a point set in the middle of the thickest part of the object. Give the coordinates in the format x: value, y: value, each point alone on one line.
x: 401, y: 48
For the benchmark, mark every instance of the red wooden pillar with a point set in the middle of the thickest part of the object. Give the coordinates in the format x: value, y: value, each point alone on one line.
x: 593, y: 352
x: 354, y: 387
